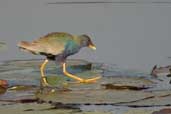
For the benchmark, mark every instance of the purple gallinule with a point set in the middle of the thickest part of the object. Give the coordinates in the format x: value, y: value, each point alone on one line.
x: 57, y: 46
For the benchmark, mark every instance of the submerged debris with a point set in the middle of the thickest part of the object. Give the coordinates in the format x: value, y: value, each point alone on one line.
x: 22, y: 100
x: 3, y: 86
x: 2, y: 90
x: 59, y: 105
x: 161, y: 71
x: 163, y: 111
x: 122, y: 87
x: 3, y: 83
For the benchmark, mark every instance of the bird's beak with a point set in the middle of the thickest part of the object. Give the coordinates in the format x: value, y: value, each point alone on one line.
x: 92, y: 46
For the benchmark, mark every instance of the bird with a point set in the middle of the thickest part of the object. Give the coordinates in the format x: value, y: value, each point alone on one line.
x: 57, y: 46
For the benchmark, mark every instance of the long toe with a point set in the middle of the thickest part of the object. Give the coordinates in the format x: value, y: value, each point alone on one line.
x: 91, y: 80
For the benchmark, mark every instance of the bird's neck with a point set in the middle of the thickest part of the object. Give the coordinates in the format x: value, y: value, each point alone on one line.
x: 78, y: 41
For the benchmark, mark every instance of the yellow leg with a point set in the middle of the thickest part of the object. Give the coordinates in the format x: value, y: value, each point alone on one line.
x: 77, y: 78
x: 42, y: 72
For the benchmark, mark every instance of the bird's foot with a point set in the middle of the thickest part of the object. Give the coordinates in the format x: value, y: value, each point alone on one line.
x: 91, y: 80
x: 44, y: 82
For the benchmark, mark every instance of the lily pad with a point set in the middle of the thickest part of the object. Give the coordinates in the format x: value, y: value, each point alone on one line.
x: 21, y: 87
x: 95, y: 93
x: 66, y: 83
x: 32, y: 108
x: 92, y: 96
x: 55, y: 80
x: 120, y: 92
x: 158, y: 98
x: 27, y: 72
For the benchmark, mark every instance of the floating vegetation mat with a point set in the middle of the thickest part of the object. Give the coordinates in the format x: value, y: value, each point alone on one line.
x: 21, y: 91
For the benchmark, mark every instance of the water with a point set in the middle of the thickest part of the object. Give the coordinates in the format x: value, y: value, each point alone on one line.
x: 131, y: 35
x: 26, y: 73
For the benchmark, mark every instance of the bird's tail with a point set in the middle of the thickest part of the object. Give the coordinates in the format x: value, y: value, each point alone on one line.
x: 27, y: 46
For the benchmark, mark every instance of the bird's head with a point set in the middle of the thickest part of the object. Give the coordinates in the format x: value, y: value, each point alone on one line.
x: 86, y: 42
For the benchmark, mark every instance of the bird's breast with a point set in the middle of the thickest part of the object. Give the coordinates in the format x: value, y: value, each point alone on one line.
x: 72, y: 51
x: 71, y: 48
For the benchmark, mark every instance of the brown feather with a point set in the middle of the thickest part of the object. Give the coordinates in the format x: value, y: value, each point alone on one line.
x: 52, y: 43
x: 31, y: 47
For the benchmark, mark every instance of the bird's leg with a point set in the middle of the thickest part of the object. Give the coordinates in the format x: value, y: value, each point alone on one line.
x: 42, y: 72
x: 70, y: 75
x: 77, y: 78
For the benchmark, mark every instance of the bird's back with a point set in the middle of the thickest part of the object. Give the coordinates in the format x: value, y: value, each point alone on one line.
x: 52, y: 43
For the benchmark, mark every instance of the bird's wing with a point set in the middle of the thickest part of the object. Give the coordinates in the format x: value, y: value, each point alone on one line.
x: 53, y: 43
